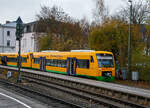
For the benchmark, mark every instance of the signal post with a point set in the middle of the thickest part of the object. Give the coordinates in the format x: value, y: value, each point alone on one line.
x: 19, y: 32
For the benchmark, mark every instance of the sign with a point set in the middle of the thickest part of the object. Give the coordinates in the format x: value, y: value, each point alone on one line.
x: 19, y: 29
x: 9, y: 74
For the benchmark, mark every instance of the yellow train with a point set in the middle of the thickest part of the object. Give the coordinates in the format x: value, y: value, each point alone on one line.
x: 93, y: 64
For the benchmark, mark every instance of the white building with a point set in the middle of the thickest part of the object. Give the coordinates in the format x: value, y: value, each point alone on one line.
x: 29, y: 39
x: 8, y: 37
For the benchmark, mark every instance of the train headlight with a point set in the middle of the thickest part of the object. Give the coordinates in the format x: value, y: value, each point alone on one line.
x: 108, y: 74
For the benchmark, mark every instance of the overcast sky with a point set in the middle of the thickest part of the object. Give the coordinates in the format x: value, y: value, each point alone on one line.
x: 27, y: 9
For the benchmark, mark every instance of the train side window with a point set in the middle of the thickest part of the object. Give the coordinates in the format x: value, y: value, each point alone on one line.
x: 92, y: 60
x: 64, y: 63
x: 55, y: 63
x: 82, y: 63
x: 59, y: 63
x: 24, y: 60
x: 36, y: 60
x: 11, y: 59
x: 52, y: 63
x: 48, y: 62
x: 31, y: 55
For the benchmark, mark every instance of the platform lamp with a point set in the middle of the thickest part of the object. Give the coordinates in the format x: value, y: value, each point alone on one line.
x: 129, y: 39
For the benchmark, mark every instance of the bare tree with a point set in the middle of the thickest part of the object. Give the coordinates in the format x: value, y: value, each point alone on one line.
x: 140, y: 12
x: 141, y: 17
x: 62, y: 31
x: 100, y: 13
x: 55, y: 13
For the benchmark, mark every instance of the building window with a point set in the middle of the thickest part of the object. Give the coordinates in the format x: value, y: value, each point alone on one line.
x: 8, y: 33
x: 28, y: 28
x: 8, y: 42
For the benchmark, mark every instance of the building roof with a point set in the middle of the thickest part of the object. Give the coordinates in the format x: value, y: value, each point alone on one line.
x: 10, y: 24
x: 31, y: 23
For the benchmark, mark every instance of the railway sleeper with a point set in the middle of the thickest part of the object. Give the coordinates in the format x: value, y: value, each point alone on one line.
x: 94, y: 89
x: 137, y: 99
x: 107, y: 97
x: 82, y: 94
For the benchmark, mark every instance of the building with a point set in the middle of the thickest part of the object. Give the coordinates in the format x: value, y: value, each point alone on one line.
x: 29, y: 39
x: 8, y: 37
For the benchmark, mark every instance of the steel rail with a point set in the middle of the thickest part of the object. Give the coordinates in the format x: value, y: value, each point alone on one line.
x: 140, y: 99
x: 41, y: 94
x: 96, y: 96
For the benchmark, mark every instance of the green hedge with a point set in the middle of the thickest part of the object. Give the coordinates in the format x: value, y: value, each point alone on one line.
x: 144, y: 72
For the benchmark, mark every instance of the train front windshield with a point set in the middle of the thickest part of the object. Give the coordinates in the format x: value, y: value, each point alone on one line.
x: 105, y: 60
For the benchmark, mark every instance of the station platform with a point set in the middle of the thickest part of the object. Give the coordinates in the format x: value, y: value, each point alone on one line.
x: 13, y: 100
x: 99, y: 84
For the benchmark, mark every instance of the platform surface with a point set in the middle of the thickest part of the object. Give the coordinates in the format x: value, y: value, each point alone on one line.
x: 116, y: 87
x: 107, y: 85
x: 12, y: 100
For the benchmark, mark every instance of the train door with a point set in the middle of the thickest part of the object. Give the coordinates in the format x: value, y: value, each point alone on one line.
x: 4, y: 60
x: 30, y: 59
x: 42, y: 63
x: 71, y: 66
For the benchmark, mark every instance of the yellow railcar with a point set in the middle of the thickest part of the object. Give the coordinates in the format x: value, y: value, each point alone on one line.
x: 9, y: 59
x: 93, y: 64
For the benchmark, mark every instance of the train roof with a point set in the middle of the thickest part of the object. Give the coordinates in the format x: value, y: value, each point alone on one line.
x: 71, y: 53
x: 8, y: 53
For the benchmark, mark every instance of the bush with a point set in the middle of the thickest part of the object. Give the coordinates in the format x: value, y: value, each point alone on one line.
x: 144, y: 73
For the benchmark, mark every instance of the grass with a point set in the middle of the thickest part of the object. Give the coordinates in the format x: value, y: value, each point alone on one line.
x: 139, y: 84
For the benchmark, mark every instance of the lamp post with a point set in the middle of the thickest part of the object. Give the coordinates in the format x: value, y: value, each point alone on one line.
x: 129, y: 40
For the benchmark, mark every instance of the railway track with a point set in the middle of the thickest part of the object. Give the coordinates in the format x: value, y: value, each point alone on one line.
x: 92, y: 99
x: 91, y: 92
x: 33, y: 93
